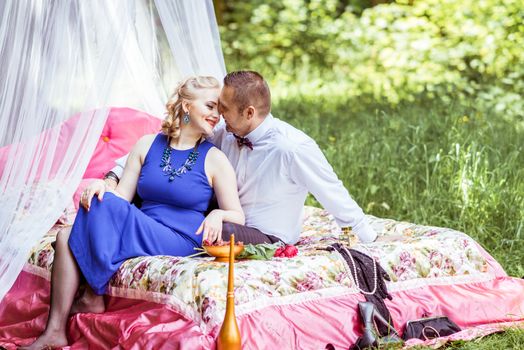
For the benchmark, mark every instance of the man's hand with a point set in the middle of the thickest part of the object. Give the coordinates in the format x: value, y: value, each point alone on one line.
x: 97, y: 187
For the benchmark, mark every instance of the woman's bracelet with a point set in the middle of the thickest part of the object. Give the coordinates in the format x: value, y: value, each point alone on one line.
x: 111, y: 175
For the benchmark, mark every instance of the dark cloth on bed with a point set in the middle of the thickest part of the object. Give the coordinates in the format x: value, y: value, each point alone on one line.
x: 365, y: 277
x: 247, y: 235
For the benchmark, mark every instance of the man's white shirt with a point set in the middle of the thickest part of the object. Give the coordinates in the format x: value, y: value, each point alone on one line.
x: 274, y: 179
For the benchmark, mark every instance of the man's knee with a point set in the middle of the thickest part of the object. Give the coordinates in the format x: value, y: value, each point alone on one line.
x: 227, y: 229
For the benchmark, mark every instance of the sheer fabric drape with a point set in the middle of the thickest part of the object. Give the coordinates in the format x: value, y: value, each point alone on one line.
x: 70, y: 61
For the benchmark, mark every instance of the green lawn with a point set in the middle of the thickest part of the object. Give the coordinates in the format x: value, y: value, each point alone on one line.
x: 427, y: 162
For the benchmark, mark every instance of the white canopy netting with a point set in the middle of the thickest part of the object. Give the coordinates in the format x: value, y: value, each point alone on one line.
x: 79, y: 58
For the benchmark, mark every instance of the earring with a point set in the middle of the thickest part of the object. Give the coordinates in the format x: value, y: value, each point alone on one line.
x: 186, y: 119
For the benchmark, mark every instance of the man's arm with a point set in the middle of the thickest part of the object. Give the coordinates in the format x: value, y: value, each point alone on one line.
x: 112, y: 178
x: 117, y: 172
x: 310, y: 168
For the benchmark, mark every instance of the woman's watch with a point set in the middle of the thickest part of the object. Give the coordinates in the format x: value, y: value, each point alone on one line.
x: 111, y: 175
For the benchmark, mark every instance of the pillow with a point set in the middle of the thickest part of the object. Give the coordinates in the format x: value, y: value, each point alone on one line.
x: 123, y: 128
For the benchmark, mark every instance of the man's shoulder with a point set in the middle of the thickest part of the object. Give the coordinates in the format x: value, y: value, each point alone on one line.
x: 287, y: 137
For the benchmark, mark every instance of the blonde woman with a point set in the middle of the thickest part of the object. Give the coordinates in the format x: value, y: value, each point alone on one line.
x: 175, y: 172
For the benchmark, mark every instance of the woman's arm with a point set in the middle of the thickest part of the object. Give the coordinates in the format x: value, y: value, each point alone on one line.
x: 223, y: 180
x: 127, y: 186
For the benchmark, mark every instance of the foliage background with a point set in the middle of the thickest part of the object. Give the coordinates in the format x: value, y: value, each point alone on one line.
x: 469, y: 50
x: 418, y: 105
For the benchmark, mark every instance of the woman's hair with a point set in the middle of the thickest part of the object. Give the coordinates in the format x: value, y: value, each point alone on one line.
x: 186, y: 90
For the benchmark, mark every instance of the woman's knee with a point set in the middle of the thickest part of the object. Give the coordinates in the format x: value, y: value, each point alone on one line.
x: 62, y: 237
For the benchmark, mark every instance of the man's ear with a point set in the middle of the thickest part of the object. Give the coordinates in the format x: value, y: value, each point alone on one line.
x: 249, y: 112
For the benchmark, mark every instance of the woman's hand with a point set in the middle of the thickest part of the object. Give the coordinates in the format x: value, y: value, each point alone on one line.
x: 97, y: 187
x: 212, y: 226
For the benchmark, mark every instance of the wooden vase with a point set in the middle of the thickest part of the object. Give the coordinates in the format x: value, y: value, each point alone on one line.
x: 229, y: 336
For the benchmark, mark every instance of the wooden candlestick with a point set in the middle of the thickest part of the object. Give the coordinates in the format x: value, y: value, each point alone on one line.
x: 229, y: 336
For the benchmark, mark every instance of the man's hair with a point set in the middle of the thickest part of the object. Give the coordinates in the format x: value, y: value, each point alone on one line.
x: 250, y: 89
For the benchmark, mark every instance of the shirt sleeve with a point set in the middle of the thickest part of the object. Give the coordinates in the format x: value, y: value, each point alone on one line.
x: 120, y: 164
x: 309, y: 168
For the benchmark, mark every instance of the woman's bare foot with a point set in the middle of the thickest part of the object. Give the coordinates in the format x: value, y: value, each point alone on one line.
x: 48, y: 339
x: 88, y: 303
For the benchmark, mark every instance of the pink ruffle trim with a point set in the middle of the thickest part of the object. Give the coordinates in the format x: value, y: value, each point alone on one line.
x: 480, y: 308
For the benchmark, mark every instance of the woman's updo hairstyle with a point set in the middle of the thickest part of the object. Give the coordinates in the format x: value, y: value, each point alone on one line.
x: 186, y: 90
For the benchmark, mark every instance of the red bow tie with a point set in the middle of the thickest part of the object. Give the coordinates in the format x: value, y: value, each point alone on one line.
x: 243, y: 141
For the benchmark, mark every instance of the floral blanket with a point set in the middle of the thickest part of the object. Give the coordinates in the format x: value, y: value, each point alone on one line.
x: 196, y: 287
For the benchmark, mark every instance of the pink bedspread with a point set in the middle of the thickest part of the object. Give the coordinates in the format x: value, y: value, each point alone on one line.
x: 311, y: 324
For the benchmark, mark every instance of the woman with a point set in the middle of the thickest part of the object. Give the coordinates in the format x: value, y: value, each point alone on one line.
x: 175, y: 173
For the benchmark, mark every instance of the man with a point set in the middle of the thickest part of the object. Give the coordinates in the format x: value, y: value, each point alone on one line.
x: 276, y: 165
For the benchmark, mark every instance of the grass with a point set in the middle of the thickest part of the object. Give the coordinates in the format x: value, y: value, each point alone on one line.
x: 510, y: 339
x: 429, y: 162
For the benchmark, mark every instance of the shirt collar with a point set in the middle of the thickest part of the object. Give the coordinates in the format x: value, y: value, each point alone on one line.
x: 261, y: 130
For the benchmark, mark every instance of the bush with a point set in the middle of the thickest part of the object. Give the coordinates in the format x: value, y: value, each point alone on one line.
x: 455, y: 50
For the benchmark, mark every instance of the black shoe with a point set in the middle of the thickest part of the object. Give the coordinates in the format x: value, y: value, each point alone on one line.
x: 371, y: 336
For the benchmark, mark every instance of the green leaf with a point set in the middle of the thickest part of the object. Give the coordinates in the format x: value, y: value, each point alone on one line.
x: 263, y: 251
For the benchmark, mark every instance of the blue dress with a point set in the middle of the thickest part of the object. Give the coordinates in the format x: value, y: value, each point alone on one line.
x: 114, y: 230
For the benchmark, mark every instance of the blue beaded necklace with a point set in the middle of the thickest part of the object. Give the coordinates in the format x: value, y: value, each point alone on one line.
x: 168, y: 170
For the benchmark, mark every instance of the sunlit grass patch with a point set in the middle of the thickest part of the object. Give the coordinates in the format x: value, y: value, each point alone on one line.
x: 427, y: 162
